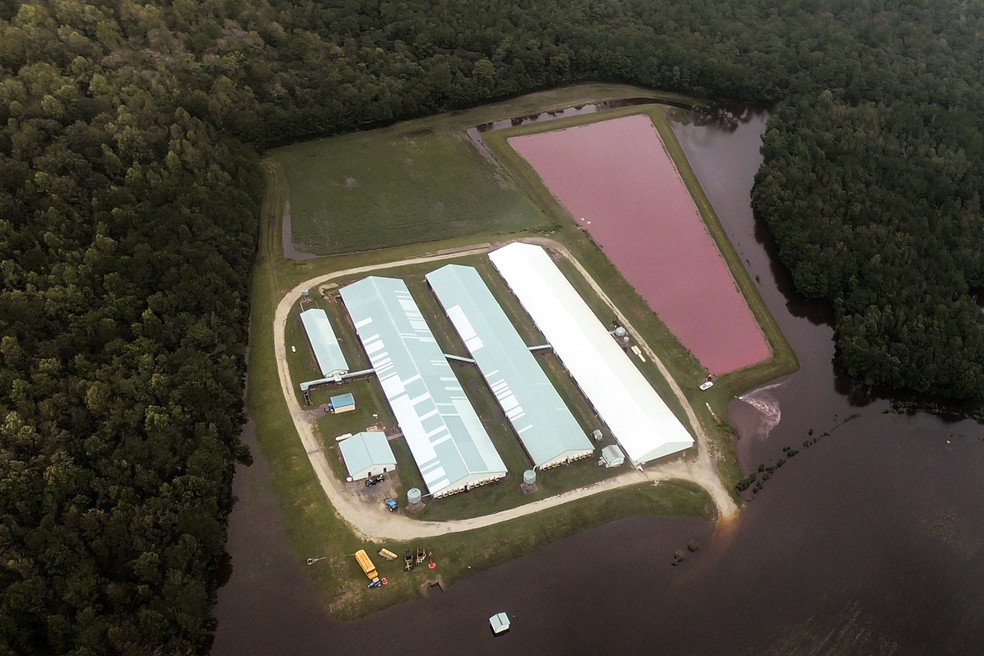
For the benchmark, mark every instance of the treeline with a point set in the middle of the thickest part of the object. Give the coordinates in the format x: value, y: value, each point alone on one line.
x: 126, y: 236
x: 877, y: 209
x: 129, y: 134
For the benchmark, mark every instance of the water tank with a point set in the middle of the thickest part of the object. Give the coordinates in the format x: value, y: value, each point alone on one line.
x: 413, y: 496
x: 620, y: 332
x: 529, y: 477
x: 306, y: 293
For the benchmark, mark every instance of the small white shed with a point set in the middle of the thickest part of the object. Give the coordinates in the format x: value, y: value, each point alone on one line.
x: 499, y: 623
x: 612, y: 456
x: 367, y: 454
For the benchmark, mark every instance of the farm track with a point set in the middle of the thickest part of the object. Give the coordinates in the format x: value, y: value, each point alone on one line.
x: 378, y: 524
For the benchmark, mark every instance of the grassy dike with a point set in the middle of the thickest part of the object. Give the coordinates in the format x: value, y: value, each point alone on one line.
x: 312, y: 524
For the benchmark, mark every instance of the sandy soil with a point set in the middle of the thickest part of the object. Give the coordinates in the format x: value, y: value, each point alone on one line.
x: 378, y: 523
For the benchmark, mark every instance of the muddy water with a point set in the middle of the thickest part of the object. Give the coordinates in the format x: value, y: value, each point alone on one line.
x: 869, y: 542
x: 616, y: 178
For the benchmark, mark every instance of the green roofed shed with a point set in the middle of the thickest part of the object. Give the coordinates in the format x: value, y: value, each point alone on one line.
x: 341, y: 403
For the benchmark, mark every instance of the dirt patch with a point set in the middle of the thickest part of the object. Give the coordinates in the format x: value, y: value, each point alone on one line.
x: 432, y: 586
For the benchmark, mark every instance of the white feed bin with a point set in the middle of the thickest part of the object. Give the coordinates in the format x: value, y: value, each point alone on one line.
x: 413, y: 496
x: 529, y: 477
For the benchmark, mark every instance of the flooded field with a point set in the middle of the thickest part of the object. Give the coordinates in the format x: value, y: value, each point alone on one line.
x: 868, y: 543
x: 616, y: 179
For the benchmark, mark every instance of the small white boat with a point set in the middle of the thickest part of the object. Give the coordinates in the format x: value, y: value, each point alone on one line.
x: 499, y: 623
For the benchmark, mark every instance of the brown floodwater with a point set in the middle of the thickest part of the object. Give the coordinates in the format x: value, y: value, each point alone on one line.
x: 869, y: 542
x: 617, y: 180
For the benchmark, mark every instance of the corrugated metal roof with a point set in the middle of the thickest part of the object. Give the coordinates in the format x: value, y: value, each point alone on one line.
x: 365, y: 451
x: 638, y: 418
x: 341, y: 400
x: 323, y: 342
x: 613, y: 455
x: 445, y: 435
x: 536, y: 411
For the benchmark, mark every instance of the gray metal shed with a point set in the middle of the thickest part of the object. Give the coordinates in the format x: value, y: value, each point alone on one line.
x: 367, y: 454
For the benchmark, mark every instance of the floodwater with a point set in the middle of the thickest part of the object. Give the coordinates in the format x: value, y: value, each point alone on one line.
x: 867, y: 543
x: 616, y: 178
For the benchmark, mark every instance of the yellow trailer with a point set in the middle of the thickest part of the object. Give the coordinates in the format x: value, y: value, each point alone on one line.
x: 387, y: 554
x: 363, y: 559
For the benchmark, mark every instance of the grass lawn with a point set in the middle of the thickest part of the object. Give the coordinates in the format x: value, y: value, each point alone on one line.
x: 417, y: 181
x: 390, y: 187
x: 419, y: 188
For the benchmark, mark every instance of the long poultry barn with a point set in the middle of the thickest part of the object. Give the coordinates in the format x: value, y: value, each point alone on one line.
x: 324, y: 345
x: 638, y: 417
x: 450, y: 445
x: 549, y: 432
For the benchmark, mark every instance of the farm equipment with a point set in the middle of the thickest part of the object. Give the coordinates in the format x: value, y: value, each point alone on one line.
x: 391, y: 505
x: 407, y: 561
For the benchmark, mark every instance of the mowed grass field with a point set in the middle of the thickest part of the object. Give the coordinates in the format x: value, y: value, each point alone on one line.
x: 418, y: 181
x: 401, y: 185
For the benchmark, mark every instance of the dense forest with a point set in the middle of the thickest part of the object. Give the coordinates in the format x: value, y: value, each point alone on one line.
x: 129, y: 142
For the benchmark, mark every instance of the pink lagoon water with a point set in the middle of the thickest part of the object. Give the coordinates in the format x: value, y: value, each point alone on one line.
x: 621, y: 186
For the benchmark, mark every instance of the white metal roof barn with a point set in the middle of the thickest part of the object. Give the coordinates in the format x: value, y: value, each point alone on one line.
x: 546, y: 427
x: 367, y: 454
x: 638, y: 418
x: 448, y: 442
x: 323, y: 342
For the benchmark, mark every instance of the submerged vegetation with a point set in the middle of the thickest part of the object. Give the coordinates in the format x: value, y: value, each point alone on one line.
x: 128, y: 200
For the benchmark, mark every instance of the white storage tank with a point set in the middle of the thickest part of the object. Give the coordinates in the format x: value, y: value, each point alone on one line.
x: 529, y: 478
x: 413, y: 496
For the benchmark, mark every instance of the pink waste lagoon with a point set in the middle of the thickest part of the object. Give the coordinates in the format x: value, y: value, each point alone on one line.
x: 616, y: 178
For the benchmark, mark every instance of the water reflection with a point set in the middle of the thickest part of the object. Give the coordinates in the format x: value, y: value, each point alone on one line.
x: 576, y: 110
x: 715, y: 116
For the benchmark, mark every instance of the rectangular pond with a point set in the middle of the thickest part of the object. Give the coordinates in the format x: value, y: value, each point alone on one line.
x: 619, y: 183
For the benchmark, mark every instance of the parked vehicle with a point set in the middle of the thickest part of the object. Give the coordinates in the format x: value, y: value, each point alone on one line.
x: 372, y: 480
x: 421, y: 554
x: 367, y: 567
x: 407, y: 561
x: 391, y: 504
x: 387, y: 554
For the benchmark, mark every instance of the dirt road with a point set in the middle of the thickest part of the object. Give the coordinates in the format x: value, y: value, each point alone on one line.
x: 378, y: 523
